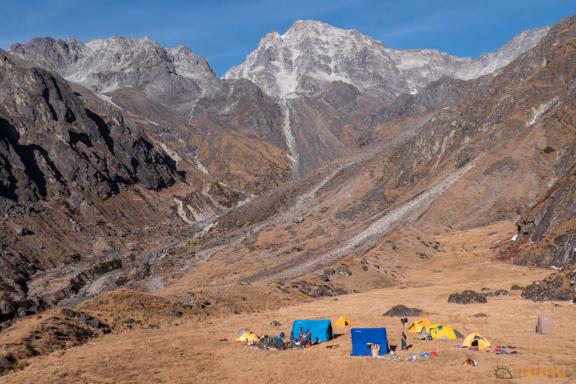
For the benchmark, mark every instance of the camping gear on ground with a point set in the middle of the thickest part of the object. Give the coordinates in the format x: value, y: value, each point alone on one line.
x: 545, y: 325
x: 418, y: 325
x: 364, y: 339
x: 470, y: 363
x: 319, y: 330
x: 342, y: 322
x: 433, y: 353
x: 240, y: 332
x: 374, y: 349
x: 412, y: 357
x: 442, y: 332
x: 248, y: 338
x: 274, y: 342
x: 424, y: 355
x: 504, y: 351
x: 476, y: 340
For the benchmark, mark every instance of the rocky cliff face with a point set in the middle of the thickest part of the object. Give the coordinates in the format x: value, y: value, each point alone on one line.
x: 169, y: 76
x: 64, y: 164
x: 176, y: 98
x: 53, y: 146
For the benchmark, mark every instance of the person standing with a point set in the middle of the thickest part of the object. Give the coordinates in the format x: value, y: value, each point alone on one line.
x: 403, y: 342
x: 404, y: 322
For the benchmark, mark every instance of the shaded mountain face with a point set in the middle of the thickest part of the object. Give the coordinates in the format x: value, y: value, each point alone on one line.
x: 313, y: 53
x: 546, y: 228
x: 70, y: 170
x: 176, y: 98
x: 53, y: 146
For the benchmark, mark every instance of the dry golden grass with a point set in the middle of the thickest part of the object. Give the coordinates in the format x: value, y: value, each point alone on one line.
x: 193, y: 352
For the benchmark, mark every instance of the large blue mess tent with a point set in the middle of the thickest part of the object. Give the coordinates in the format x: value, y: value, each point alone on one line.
x: 362, y: 338
x: 320, y: 330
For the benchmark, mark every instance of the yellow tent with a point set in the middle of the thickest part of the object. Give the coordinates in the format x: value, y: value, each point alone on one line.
x: 343, y: 321
x: 475, y: 340
x: 418, y: 325
x: 248, y: 338
x: 443, y: 332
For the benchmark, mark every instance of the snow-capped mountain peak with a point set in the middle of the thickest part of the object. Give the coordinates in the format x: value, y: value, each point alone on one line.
x: 312, y: 53
x: 105, y: 65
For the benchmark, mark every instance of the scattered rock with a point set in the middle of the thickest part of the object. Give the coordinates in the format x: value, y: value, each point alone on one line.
x: 24, y: 231
x: 480, y: 315
x: 175, y: 313
x: 86, y: 319
x: 7, y: 309
x: 73, y: 258
x: 403, y: 311
x: 516, y: 287
x: 324, y: 278
x: 298, y: 220
x: 484, y: 289
x: 467, y: 297
x: 7, y: 363
x: 275, y: 323
x: 318, y: 291
x: 499, y: 292
x: 555, y: 287
x: 343, y: 270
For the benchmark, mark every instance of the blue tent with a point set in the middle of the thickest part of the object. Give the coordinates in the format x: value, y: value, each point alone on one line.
x: 319, y: 329
x: 362, y: 337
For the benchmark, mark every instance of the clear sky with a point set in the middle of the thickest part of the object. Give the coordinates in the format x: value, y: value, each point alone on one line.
x: 225, y: 31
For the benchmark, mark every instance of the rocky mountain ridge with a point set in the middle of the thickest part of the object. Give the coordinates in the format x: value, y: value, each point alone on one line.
x: 171, y: 76
x: 312, y: 53
x: 230, y: 184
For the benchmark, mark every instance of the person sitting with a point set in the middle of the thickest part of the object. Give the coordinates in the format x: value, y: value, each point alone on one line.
x: 278, y: 341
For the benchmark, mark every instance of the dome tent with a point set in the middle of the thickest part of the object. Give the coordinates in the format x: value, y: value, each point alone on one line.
x: 476, y: 340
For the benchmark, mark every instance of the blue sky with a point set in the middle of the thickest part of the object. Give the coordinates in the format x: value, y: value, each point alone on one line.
x: 226, y: 31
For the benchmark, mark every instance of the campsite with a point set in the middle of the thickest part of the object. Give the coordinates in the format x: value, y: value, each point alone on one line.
x: 204, y: 350
x: 261, y: 191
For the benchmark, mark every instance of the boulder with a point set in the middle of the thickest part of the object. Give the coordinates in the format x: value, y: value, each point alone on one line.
x: 555, y: 287
x: 7, y: 309
x: 467, y: 297
x: 343, y: 270
x: 401, y: 310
